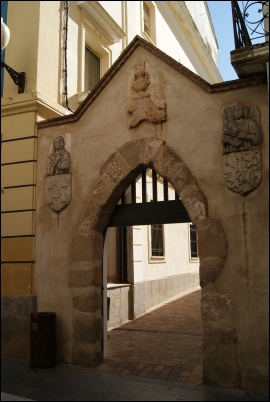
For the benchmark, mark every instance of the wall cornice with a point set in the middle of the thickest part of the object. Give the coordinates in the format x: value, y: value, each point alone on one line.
x: 31, y: 102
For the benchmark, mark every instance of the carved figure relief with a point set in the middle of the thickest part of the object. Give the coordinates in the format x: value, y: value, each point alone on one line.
x: 58, y: 181
x: 146, y: 99
x: 241, y: 140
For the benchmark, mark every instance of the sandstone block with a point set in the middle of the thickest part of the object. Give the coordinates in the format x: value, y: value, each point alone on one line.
x: 87, y: 303
x: 112, y: 169
x: 182, y: 178
x: 87, y: 329
x: 94, y: 219
x: 132, y: 153
x: 87, y: 355
x: 152, y: 147
x: 210, y: 270
x: 79, y: 278
x: 212, y: 241
x: 220, y: 358
x: 215, y: 307
x: 196, y: 206
x: 86, y: 247
x: 166, y: 160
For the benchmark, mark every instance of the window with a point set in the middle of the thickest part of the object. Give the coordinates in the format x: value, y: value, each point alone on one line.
x: 148, y: 21
x: 98, y: 31
x: 157, y: 243
x: 193, y: 242
x: 92, y: 70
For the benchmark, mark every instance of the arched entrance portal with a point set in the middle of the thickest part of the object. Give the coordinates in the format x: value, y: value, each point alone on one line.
x: 150, y: 251
x: 117, y: 173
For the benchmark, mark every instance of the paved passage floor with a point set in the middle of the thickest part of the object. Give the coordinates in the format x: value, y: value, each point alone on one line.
x: 165, y: 343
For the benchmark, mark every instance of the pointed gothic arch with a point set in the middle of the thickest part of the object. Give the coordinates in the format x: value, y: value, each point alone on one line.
x: 85, y: 276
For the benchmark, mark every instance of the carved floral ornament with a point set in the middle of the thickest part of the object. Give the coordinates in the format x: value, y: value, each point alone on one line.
x: 241, y: 140
x: 146, y: 96
x: 58, y: 180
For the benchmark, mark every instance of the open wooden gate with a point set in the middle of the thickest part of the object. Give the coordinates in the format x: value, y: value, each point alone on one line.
x: 128, y: 212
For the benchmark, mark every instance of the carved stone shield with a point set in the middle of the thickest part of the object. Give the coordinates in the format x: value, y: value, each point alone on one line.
x: 58, y: 191
x: 242, y: 170
x: 241, y: 140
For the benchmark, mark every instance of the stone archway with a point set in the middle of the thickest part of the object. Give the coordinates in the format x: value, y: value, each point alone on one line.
x: 85, y: 277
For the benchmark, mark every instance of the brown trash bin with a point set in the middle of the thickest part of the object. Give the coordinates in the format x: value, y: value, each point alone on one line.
x: 43, y: 339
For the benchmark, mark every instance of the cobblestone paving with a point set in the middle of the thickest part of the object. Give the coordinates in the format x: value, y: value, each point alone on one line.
x: 165, y: 343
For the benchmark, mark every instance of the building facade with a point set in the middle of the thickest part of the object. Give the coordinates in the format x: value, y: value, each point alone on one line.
x: 65, y: 48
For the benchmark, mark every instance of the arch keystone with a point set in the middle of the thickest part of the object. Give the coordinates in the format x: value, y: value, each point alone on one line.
x: 166, y: 160
x: 152, y: 147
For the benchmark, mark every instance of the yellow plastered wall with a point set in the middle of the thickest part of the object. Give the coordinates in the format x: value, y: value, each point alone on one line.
x: 18, y: 201
x: 17, y: 249
x: 18, y: 175
x: 18, y: 125
x: 17, y: 223
x: 16, y: 278
x: 22, y: 50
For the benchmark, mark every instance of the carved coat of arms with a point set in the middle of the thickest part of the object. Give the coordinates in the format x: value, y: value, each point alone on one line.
x: 241, y: 140
x: 58, y: 181
x: 146, y: 100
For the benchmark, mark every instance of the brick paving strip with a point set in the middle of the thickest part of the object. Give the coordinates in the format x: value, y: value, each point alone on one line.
x: 165, y: 343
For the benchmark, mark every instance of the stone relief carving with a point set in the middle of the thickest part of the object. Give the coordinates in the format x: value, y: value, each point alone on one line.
x: 58, y: 181
x: 146, y: 100
x: 241, y: 140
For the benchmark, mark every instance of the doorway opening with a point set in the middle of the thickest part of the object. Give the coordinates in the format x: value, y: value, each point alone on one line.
x: 150, y: 258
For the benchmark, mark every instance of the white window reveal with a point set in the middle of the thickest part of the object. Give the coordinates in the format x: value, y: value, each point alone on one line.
x: 91, y: 70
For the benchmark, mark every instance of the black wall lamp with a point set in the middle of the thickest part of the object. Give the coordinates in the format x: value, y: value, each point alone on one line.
x: 18, y: 78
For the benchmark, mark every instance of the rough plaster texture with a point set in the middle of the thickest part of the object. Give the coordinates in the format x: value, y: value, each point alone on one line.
x: 187, y: 150
x: 15, y: 325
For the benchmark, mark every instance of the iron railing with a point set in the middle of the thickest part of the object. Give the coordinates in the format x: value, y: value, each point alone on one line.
x: 247, y: 28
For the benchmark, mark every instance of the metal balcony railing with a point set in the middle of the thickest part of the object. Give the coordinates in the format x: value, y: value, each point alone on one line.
x: 248, y: 28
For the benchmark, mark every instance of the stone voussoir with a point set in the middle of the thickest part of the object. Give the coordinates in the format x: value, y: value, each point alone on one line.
x: 152, y: 147
x: 196, y: 206
x: 210, y: 269
x: 81, y: 278
x: 165, y: 161
x: 181, y: 178
x: 101, y: 194
x: 212, y: 240
x: 94, y: 218
x: 132, y: 152
x: 114, y: 171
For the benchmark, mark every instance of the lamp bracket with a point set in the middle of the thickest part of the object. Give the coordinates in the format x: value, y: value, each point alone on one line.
x: 18, y: 78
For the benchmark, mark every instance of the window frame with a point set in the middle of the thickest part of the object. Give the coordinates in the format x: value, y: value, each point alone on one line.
x: 151, y: 37
x: 154, y: 259
x: 87, y: 47
x: 190, y: 251
x: 97, y: 43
